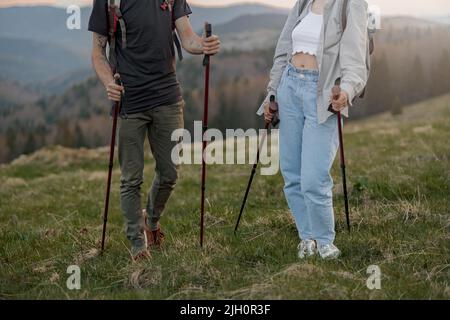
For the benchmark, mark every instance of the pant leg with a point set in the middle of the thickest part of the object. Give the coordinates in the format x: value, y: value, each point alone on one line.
x: 166, y: 119
x: 291, y: 130
x: 320, y: 144
x: 132, y: 133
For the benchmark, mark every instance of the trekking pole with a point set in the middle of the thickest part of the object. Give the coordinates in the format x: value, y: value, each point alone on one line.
x: 273, y: 110
x: 206, y: 64
x: 111, y: 164
x: 336, y: 93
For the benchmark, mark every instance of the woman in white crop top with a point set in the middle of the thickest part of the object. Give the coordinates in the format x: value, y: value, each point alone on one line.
x: 306, y: 38
x: 312, y: 52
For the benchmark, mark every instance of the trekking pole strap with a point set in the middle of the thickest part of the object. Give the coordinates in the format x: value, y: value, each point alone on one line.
x: 178, y: 46
x: 123, y: 27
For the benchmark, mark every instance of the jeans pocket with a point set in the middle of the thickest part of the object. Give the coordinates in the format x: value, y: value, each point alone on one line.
x: 283, y: 77
x: 282, y: 86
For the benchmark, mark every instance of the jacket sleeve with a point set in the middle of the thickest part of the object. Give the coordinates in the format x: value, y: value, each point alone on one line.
x: 281, y: 54
x: 353, y: 50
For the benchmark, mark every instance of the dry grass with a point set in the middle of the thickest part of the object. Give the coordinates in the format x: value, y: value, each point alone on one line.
x: 399, y: 175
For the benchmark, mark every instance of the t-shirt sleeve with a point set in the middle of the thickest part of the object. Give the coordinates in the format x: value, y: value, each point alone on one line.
x: 98, y: 22
x: 181, y: 8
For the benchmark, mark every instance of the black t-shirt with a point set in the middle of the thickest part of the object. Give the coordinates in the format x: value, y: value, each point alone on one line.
x: 147, y: 64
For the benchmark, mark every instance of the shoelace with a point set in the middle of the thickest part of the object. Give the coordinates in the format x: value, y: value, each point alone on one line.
x: 158, y: 236
x: 304, y: 245
x: 325, y: 247
x: 141, y: 255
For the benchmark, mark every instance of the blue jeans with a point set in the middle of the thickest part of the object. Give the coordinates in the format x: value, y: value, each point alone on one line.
x: 307, y: 152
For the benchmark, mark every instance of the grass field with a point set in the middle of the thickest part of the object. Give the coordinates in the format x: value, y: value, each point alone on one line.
x: 399, y: 171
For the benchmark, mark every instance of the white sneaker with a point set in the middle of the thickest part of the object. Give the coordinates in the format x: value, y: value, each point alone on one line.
x: 306, y: 248
x: 329, y: 251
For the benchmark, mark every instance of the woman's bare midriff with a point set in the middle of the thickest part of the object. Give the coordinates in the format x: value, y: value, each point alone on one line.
x: 304, y: 61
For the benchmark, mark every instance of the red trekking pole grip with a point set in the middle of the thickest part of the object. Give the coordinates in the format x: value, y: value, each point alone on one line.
x: 208, y: 33
x: 273, y: 109
x: 336, y: 91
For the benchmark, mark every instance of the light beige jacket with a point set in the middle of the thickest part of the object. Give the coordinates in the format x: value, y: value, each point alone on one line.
x: 341, y: 54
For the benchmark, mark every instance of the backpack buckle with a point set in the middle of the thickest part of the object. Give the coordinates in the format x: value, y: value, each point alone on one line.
x: 164, y: 5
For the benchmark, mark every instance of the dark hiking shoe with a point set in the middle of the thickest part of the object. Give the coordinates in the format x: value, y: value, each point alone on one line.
x: 155, y: 238
x: 141, y: 256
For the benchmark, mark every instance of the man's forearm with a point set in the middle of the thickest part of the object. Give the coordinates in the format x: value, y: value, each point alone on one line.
x: 103, y: 71
x: 194, y: 44
x: 100, y: 61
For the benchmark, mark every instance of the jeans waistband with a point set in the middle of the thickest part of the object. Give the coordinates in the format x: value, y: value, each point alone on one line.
x: 303, y: 74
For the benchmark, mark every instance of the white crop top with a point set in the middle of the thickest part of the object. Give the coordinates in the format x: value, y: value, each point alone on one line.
x: 306, y: 35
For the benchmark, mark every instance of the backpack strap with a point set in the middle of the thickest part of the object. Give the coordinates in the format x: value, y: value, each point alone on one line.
x: 115, y: 18
x: 302, y: 7
x: 176, y: 40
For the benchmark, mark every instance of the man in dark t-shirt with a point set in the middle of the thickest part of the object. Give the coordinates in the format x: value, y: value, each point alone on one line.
x: 152, y: 105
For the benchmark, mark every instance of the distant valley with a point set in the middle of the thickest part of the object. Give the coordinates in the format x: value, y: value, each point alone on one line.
x: 38, y: 48
x: 49, y: 94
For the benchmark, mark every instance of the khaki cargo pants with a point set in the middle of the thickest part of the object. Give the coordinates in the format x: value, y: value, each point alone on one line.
x: 157, y: 126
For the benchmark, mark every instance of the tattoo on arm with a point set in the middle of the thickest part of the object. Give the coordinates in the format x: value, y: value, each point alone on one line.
x: 195, y: 45
x: 191, y: 42
x: 101, y: 42
x: 100, y: 60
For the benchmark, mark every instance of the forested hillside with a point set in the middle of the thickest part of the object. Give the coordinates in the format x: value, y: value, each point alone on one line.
x: 42, y: 30
x: 411, y: 63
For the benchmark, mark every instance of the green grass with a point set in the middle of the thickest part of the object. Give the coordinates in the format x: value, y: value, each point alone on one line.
x: 399, y: 171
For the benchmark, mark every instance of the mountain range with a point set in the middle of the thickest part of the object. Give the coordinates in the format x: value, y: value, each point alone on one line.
x: 441, y: 19
x: 38, y: 47
x: 48, y: 94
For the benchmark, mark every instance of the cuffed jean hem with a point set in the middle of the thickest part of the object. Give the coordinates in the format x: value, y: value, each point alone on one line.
x: 138, y: 247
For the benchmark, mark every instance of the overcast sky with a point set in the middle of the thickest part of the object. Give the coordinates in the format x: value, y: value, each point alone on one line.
x: 390, y: 7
